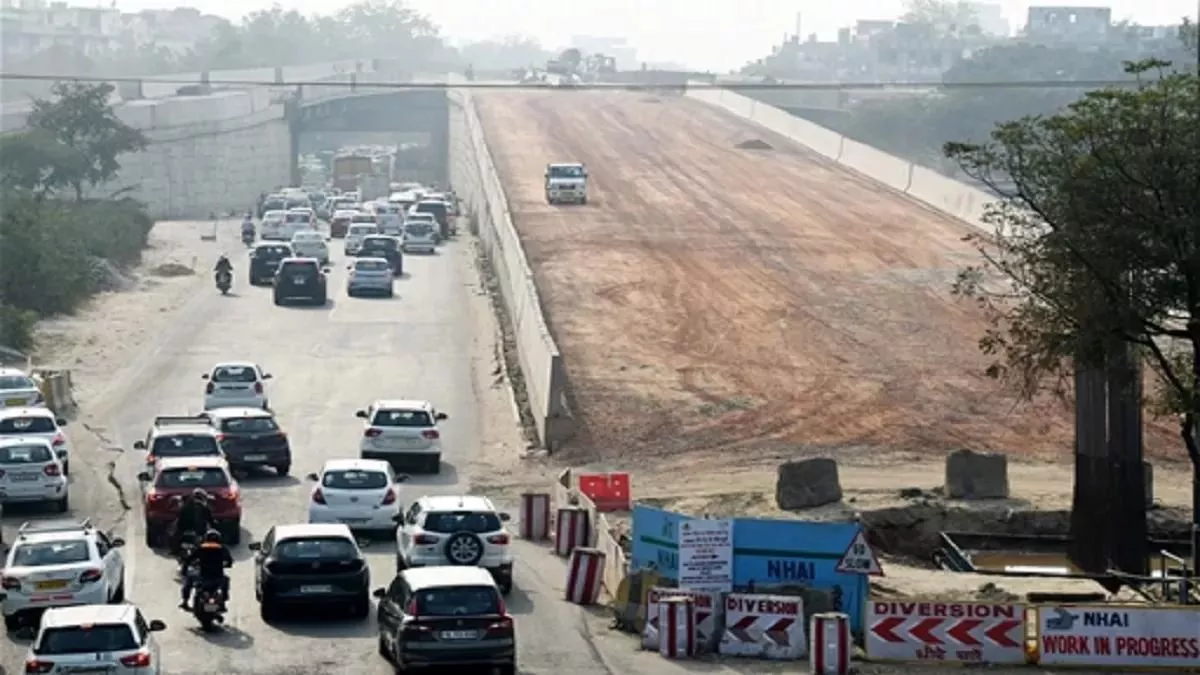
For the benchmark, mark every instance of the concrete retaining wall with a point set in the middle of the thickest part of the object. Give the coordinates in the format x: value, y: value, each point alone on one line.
x: 959, y: 200
x: 473, y: 175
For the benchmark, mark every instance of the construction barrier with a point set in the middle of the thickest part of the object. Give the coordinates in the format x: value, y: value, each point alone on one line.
x: 829, y: 644
x: 677, y: 617
x: 572, y: 530
x: 599, y: 535
x: 945, y: 632
x: 585, y: 574
x: 56, y: 389
x: 535, y: 516
x: 1119, y: 637
x: 708, y: 614
x: 764, y: 626
x: 608, y: 491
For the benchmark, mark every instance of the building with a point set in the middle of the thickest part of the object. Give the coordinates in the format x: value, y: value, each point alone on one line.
x: 178, y: 30
x: 33, y: 26
x: 625, y: 55
x: 1078, y: 25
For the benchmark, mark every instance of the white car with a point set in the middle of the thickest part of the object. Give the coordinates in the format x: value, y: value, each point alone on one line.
x: 18, y: 390
x: 272, y: 227
x: 355, y: 234
x: 298, y: 220
x: 390, y: 217
x: 55, y: 564
x: 37, y: 423
x: 236, y: 384
x: 310, y: 245
x: 31, y: 472
x: 420, y: 236
x: 109, y: 639
x: 362, y: 494
x: 399, y: 430
x: 456, y: 530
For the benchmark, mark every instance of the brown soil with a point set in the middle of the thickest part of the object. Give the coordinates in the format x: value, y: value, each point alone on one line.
x: 711, y: 300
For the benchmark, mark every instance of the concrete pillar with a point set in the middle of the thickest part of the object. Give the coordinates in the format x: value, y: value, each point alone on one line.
x: 204, y: 77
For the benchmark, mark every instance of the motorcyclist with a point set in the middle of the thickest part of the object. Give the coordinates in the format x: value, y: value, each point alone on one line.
x: 211, y: 558
x: 194, y: 518
x: 223, y: 265
x: 248, y: 225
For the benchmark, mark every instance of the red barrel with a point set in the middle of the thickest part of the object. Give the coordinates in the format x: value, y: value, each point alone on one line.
x: 572, y: 530
x: 829, y: 644
x: 585, y: 575
x: 535, y: 516
x: 677, y: 628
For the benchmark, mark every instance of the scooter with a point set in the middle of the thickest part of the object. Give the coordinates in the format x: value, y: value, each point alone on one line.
x: 248, y: 238
x: 208, y: 606
x: 224, y: 281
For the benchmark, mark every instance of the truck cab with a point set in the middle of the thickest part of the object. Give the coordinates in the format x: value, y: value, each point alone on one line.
x: 566, y: 182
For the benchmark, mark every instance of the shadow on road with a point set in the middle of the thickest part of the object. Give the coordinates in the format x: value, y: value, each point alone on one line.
x: 326, y: 622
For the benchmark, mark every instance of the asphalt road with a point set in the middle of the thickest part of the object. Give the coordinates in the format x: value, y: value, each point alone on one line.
x: 327, y: 362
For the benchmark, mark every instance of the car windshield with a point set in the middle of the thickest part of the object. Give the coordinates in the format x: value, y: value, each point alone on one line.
x: 417, y: 217
x: 189, y: 445
x: 299, y: 267
x: 297, y: 218
x: 458, y: 601
x: 42, y: 553
x: 202, y: 477
x: 372, y: 266
x: 30, y: 424
x: 355, y: 480
x: 448, y: 522
x: 402, y: 418
x: 16, y: 382
x: 338, y: 548
x: 25, y: 454
x: 273, y: 251
x: 249, y: 425
x: 387, y: 209
x: 419, y: 229
x: 308, y: 237
x: 88, y: 639
x: 381, y: 243
x: 297, y: 202
x: 363, y: 218
x: 344, y: 215
x: 566, y: 172
x: 274, y: 205
x: 234, y: 374
x: 363, y: 230
x: 438, y: 209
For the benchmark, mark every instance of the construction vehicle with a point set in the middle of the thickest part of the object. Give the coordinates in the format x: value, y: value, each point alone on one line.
x: 567, y: 63
x: 347, y: 168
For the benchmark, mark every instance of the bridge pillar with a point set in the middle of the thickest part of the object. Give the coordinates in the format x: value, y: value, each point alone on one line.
x: 204, y: 77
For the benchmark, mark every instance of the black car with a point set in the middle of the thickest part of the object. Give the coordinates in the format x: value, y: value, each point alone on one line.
x: 251, y: 437
x: 440, y: 211
x: 436, y: 617
x: 310, y: 565
x: 383, y: 246
x: 300, y: 278
x: 265, y: 259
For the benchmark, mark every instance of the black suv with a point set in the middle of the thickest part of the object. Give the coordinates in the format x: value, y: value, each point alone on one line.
x: 300, y: 278
x: 383, y: 246
x: 446, y: 616
x: 310, y: 565
x: 264, y: 261
x: 251, y: 437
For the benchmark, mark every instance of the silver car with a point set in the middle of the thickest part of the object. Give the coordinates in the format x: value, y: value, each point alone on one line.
x: 18, y: 390
x: 369, y: 275
x: 420, y: 236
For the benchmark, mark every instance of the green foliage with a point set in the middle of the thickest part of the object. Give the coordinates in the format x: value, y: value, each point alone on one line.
x: 1097, y: 237
x: 35, y: 160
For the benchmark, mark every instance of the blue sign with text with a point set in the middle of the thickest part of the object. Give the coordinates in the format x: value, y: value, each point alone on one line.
x: 766, y: 552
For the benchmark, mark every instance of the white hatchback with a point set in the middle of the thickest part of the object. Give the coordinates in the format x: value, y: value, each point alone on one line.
x: 236, y: 384
x: 272, y: 227
x: 36, y: 423
x: 31, y: 472
x: 310, y: 245
x: 362, y: 494
x: 403, y: 430
x: 420, y: 236
x: 109, y: 639
x: 54, y: 564
x: 18, y: 390
x: 355, y: 234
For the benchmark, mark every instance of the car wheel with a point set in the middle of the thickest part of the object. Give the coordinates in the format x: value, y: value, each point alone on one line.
x: 283, y: 469
x: 384, y: 651
x: 506, y: 586
x: 266, y: 609
x: 507, y: 669
x: 434, y: 464
x: 118, y: 595
x: 278, y: 300
x: 361, y: 608
x: 463, y: 548
x: 150, y: 538
x: 12, y: 623
x: 583, y: 202
x: 349, y: 293
x: 63, y: 505
x: 66, y: 468
x: 390, y: 293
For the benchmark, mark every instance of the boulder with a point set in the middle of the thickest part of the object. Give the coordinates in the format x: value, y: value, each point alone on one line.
x: 807, y: 483
x: 976, y: 475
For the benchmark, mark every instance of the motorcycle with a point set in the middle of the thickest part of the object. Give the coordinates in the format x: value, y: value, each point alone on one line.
x: 208, y: 606
x: 187, y: 546
x: 248, y: 237
x: 224, y: 281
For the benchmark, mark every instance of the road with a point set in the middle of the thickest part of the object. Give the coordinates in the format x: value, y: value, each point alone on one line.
x: 327, y: 363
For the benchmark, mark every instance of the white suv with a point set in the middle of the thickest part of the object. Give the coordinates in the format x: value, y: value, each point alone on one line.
x: 54, y: 564
x: 37, y: 423
x: 236, y: 385
x: 455, y: 530
x: 113, y: 639
x: 400, y: 430
x: 30, y: 471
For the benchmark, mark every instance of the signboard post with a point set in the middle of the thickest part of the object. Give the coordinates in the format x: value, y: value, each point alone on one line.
x: 706, y: 555
x: 1107, y: 636
x: 860, y: 558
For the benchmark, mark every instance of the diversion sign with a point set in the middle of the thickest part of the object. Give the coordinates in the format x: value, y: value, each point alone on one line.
x: 1108, y: 635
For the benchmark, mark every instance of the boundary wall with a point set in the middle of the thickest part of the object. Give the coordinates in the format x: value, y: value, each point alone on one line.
x: 951, y: 197
x: 474, y: 177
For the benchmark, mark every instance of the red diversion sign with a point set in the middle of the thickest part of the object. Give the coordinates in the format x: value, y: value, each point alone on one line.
x: 945, y: 632
x: 1108, y: 635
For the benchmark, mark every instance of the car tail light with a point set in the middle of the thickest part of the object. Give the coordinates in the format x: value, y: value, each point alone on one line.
x: 318, y: 496
x: 88, y: 576
x: 390, y: 497
x: 221, y: 438
x: 209, y: 388
x: 38, y: 666
x: 503, y: 626
x: 10, y: 583
x: 258, y: 387
x: 373, y: 433
x: 411, y: 610
x: 150, y: 459
x: 52, y: 470
x: 138, y: 660
x: 498, y: 539
x: 155, y: 497
x: 431, y: 434
x: 425, y: 540
x: 60, y: 439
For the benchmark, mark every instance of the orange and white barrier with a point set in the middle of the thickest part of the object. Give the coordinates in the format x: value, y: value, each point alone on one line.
x: 829, y: 644
x: 764, y: 626
x: 585, y: 576
x: 677, y: 628
x: 707, y: 608
x: 572, y: 530
x: 535, y: 516
x: 608, y: 491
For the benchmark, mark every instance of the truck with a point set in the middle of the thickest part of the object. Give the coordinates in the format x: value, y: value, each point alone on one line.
x: 347, y: 169
x: 372, y: 186
x: 566, y: 182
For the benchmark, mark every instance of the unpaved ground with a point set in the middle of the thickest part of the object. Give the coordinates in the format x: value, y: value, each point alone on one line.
x: 713, y: 300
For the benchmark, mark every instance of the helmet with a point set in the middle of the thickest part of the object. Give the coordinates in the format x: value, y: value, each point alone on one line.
x: 200, y: 495
x: 212, y: 536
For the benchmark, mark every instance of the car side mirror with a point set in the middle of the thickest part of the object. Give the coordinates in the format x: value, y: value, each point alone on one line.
x: 379, y: 593
x: 60, y: 422
x: 402, y: 477
x: 363, y: 542
x: 118, y: 542
x: 254, y: 546
x: 312, y: 476
x: 157, y: 626
x: 267, y: 376
x: 505, y: 517
x: 361, y: 413
x: 398, y: 519
x: 441, y: 416
x: 144, y: 477
x: 139, y: 445
x: 204, y: 376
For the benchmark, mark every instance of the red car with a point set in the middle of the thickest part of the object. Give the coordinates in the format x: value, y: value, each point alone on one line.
x: 177, y: 477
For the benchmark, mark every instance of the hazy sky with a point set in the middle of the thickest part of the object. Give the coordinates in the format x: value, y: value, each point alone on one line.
x: 707, y: 34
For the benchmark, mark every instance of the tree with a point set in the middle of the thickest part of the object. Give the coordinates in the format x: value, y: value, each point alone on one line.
x: 36, y: 161
x: 1096, y: 249
x: 82, y: 119
x: 946, y: 15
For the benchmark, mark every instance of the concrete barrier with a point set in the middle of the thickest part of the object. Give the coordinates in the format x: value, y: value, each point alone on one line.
x: 954, y: 198
x: 56, y: 388
x: 474, y: 177
x: 566, y: 494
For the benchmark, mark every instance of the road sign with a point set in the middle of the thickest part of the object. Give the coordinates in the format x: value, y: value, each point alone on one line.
x: 859, y: 558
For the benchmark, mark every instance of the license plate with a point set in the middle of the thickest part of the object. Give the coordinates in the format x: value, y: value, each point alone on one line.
x: 459, y: 634
x: 355, y: 521
x: 14, y: 401
x: 299, y: 280
x: 316, y: 589
x: 255, y: 458
x: 24, y: 477
x: 211, y: 607
x: 51, y: 585
x: 88, y: 671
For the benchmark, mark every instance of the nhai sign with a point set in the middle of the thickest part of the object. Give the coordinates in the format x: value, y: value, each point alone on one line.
x: 766, y: 552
